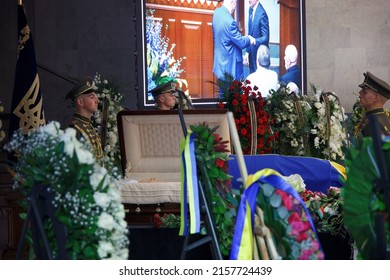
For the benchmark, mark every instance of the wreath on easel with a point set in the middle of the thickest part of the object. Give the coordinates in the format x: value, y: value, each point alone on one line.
x: 362, y: 202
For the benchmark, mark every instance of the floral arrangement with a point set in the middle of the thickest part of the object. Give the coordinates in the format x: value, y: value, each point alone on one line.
x: 161, y: 65
x: 253, y: 122
x: 309, y: 125
x: 328, y: 130
x: 86, y: 198
x: 326, y: 210
x: 364, y: 201
x: 2, y: 132
x: 289, y: 121
x: 166, y: 221
x: 110, y: 97
x: 211, y: 156
x: 289, y: 223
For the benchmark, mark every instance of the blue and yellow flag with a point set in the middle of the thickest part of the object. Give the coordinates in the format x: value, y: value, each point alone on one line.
x: 242, y: 243
x: 318, y: 174
x: 189, y: 187
x: 26, y: 109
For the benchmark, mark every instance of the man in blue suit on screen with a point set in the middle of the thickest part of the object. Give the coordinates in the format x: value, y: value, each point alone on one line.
x: 258, y: 28
x: 228, y: 42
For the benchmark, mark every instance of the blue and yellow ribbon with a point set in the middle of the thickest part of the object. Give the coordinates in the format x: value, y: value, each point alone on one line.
x: 242, y: 244
x: 189, y: 187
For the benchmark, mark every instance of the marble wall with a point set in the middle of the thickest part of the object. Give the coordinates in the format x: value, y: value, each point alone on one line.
x: 344, y: 39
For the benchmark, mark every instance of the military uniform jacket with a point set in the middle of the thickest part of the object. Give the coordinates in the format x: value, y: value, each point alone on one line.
x: 85, y: 129
x: 383, y: 122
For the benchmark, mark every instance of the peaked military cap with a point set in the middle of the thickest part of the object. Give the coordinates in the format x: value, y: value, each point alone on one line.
x: 376, y: 84
x: 164, y: 88
x: 83, y: 86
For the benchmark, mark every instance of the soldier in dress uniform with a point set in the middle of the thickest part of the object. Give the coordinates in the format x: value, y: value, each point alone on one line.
x: 167, y: 96
x: 373, y: 95
x: 164, y: 96
x: 86, y: 104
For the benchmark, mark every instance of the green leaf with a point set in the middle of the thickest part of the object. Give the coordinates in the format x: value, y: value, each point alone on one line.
x: 267, y: 189
x: 282, y: 212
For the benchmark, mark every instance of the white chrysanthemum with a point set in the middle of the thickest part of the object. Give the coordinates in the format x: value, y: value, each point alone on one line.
x: 70, y: 141
x: 114, y: 192
x: 318, y: 105
x: 84, y: 156
x: 51, y: 128
x: 102, y: 199
x: 96, y: 178
x: 296, y: 181
x: 106, y: 221
x: 105, y: 248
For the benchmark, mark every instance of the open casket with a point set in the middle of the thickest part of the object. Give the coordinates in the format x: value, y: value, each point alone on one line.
x: 150, y: 156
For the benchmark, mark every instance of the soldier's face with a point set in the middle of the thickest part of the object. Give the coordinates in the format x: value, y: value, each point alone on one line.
x: 91, y: 102
x: 367, y: 97
x: 169, y: 99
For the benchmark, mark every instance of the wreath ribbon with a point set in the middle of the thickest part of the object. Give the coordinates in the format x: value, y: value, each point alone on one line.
x: 189, y: 187
x: 242, y: 243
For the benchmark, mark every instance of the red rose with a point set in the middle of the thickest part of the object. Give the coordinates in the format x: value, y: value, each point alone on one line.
x: 302, y: 236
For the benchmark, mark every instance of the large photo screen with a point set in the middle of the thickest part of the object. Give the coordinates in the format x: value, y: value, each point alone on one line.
x: 179, y: 42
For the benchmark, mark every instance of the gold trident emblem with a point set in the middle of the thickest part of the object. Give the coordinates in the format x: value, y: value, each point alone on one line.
x: 31, y: 116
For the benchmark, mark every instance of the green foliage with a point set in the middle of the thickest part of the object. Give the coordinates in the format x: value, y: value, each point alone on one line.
x: 211, y: 156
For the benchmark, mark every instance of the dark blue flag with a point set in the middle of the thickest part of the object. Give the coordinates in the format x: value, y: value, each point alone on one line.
x: 27, y: 110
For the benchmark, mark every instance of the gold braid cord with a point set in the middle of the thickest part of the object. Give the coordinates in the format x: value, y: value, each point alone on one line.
x: 301, y: 120
x: 252, y: 112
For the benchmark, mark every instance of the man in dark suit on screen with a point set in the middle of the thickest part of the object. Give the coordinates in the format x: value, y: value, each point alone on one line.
x: 228, y: 42
x: 258, y: 28
x: 293, y: 72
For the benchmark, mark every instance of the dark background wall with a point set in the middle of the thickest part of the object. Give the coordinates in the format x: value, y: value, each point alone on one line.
x: 72, y: 38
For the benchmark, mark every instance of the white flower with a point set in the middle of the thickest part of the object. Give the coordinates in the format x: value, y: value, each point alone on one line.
x: 54, y: 167
x: 318, y: 105
x: 106, y: 221
x: 84, y: 156
x: 296, y: 181
x: 51, y: 128
x: 70, y: 141
x: 102, y: 199
x: 97, y: 177
x: 114, y: 192
x: 105, y: 248
x: 330, y: 210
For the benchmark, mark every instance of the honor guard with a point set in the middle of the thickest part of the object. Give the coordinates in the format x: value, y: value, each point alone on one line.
x: 164, y: 96
x: 86, y: 104
x: 373, y: 95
